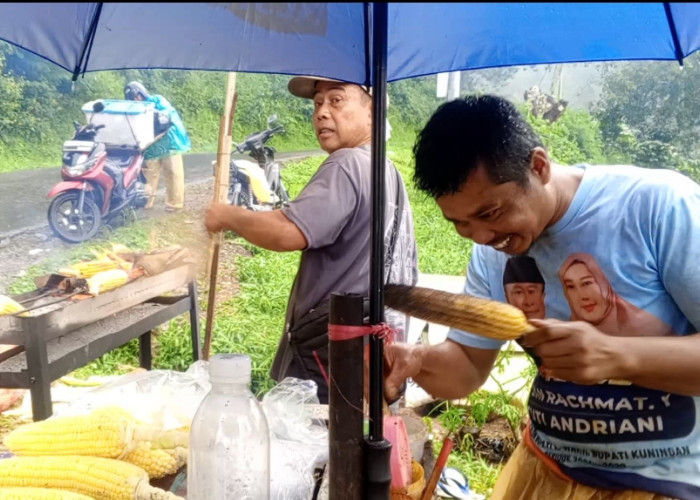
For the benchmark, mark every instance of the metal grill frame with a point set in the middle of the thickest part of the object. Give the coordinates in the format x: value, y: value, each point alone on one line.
x: 103, y: 323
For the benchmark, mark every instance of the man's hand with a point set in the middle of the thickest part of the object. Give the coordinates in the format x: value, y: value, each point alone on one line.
x: 401, y: 361
x: 215, y: 217
x: 576, y: 351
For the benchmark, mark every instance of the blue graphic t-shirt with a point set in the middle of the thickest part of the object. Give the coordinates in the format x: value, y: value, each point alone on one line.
x: 626, y: 258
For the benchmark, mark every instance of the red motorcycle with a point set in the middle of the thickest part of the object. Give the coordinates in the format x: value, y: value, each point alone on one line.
x: 100, y: 182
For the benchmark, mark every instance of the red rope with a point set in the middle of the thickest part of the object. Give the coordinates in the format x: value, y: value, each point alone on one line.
x: 345, y: 332
x: 323, y: 370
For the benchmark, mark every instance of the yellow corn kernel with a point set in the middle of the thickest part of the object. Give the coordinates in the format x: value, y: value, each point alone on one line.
x: 40, y: 494
x: 91, y: 268
x: 107, y: 280
x: 100, y: 478
x: 98, y: 435
x: 9, y: 306
x: 488, y: 318
x: 108, y: 432
x: 156, y: 462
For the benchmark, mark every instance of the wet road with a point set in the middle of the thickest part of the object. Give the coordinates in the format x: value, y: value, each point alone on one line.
x: 23, y: 201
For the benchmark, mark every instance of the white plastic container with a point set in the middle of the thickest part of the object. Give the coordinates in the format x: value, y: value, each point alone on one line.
x: 229, y: 437
x: 127, y: 123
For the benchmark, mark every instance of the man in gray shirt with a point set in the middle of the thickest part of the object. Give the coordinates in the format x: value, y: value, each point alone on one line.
x: 330, y: 222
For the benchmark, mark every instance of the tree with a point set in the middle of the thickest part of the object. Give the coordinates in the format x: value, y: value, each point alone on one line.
x: 658, y: 102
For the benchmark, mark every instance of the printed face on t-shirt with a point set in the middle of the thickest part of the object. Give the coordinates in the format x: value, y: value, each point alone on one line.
x: 584, y: 293
x: 528, y: 297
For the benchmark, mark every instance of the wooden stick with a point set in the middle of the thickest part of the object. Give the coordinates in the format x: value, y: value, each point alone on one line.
x: 440, y: 463
x: 221, y: 182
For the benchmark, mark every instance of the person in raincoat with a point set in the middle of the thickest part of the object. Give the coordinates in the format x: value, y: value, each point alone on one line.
x: 165, y: 154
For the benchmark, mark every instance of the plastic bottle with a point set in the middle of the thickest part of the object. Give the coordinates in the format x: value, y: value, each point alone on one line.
x: 229, y: 438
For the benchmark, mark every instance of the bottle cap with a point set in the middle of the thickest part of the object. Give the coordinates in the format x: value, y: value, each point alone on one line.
x: 230, y: 368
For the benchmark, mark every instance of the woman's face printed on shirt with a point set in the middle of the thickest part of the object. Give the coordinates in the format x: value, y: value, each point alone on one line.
x: 584, y: 293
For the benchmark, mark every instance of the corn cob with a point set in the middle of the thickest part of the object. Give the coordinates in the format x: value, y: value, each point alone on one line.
x: 157, y: 463
x: 91, y: 268
x: 100, y: 478
x: 488, y: 318
x: 108, y: 432
x: 40, y: 494
x: 98, y: 434
x: 107, y: 280
x: 9, y: 306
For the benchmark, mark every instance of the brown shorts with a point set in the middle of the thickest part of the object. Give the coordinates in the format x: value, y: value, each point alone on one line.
x: 526, y: 477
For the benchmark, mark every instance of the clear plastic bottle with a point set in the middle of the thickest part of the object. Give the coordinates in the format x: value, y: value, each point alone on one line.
x: 229, y: 437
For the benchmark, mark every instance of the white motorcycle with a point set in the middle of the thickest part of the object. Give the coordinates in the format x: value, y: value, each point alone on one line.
x: 258, y: 185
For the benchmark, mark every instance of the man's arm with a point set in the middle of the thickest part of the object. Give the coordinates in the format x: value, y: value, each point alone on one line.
x: 664, y: 363
x: 671, y: 363
x: 447, y: 370
x: 270, y: 230
x: 458, y: 366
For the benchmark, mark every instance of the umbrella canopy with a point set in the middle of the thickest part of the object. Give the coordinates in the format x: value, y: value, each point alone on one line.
x: 332, y: 39
x: 356, y: 42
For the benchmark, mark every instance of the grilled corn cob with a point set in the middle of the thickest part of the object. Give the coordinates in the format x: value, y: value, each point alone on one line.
x: 488, y: 318
x: 91, y: 268
x: 157, y: 463
x: 9, y: 306
x: 39, y: 494
x: 107, y: 280
x: 100, y: 478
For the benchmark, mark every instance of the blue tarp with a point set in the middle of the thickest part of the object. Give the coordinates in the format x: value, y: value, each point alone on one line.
x: 328, y: 39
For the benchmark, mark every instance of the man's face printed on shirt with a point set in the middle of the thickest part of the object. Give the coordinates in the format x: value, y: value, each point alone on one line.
x: 528, y: 297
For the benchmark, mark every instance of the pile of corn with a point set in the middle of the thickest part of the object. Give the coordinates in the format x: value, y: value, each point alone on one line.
x: 105, y: 455
x: 106, y: 272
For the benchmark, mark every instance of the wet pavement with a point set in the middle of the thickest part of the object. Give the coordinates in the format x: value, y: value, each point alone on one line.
x: 23, y: 194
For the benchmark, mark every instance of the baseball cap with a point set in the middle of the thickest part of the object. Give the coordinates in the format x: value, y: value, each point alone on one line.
x: 305, y: 86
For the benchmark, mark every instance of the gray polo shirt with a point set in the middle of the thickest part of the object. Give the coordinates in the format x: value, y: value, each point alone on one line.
x: 333, y: 212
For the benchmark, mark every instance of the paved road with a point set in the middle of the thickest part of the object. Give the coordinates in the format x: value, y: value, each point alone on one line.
x: 23, y: 201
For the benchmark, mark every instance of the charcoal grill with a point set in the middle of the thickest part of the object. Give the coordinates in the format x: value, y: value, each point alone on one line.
x: 63, y: 334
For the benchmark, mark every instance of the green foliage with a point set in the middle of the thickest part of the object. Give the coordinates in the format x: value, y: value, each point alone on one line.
x: 440, y: 249
x: 411, y: 104
x: 649, y: 114
x: 574, y: 138
x: 38, y: 105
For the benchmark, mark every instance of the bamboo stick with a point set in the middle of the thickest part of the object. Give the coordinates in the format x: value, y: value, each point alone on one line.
x: 221, y: 182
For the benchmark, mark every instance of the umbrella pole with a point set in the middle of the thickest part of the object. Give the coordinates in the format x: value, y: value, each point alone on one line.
x: 221, y: 183
x: 377, y: 473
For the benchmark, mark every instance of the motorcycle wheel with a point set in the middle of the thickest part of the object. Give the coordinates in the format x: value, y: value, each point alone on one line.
x: 70, y: 225
x: 242, y: 198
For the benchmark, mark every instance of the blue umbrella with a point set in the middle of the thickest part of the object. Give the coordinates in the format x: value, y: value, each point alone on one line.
x: 332, y: 39
x: 357, y: 42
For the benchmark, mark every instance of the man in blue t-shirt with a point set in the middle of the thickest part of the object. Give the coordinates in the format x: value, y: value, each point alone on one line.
x: 614, y: 409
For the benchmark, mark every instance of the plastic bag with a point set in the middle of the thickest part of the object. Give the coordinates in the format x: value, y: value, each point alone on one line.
x: 298, y: 442
x: 164, y: 398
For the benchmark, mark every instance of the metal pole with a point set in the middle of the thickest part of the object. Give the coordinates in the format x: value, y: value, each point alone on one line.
x: 377, y: 450
x: 346, y: 390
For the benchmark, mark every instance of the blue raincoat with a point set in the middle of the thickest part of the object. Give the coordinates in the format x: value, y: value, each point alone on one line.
x: 176, y: 141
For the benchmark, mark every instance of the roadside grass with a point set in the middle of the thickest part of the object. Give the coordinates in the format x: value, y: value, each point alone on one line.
x: 251, y: 321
